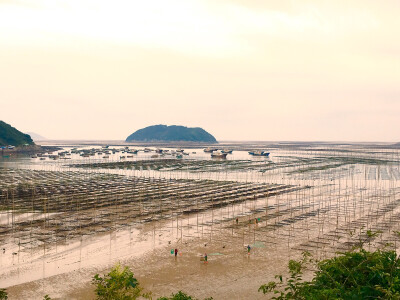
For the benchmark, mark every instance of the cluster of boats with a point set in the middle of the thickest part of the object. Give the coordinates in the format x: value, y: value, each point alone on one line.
x: 10, y: 147
x: 106, y: 151
x: 126, y: 152
x: 129, y: 153
x: 215, y: 153
x: 61, y: 155
x: 224, y: 152
x: 178, y: 153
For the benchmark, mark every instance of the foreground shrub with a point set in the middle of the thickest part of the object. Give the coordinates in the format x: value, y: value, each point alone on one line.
x: 180, y: 296
x: 119, y: 284
x: 357, y: 274
x: 3, y: 294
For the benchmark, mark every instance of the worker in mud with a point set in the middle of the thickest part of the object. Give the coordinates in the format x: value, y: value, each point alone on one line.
x: 248, y: 249
x: 205, y: 257
x: 237, y: 221
x: 176, y: 252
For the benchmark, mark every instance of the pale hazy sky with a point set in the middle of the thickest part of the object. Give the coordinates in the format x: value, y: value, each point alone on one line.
x: 241, y: 69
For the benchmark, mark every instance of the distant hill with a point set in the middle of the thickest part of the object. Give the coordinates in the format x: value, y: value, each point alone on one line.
x: 36, y: 137
x: 11, y: 136
x: 171, y: 133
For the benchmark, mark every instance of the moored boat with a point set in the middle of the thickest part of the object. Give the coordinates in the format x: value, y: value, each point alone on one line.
x: 210, y: 150
x: 259, y: 153
x: 218, y: 154
x: 227, y: 151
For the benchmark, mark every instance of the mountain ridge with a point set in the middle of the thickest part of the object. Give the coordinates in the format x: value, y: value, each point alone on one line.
x: 12, y: 136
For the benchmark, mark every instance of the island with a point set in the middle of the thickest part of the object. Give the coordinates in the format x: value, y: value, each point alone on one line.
x: 173, y: 133
x: 11, y: 137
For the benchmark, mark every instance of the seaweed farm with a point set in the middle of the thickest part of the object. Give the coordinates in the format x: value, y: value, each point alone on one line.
x: 89, y: 212
x: 73, y: 204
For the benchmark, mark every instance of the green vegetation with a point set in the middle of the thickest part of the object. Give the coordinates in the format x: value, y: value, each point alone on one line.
x: 11, y: 136
x: 356, y: 274
x: 181, y: 296
x: 119, y: 284
x: 171, y: 134
x: 3, y: 294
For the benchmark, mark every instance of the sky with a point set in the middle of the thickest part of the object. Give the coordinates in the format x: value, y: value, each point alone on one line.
x: 259, y: 70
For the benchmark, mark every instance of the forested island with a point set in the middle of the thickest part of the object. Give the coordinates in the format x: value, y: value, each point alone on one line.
x: 173, y: 133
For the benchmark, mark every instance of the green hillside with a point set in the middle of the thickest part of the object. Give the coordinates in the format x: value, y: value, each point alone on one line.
x: 11, y: 136
x: 171, y: 133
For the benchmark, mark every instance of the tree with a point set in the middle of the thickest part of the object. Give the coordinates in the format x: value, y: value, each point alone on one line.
x: 118, y: 284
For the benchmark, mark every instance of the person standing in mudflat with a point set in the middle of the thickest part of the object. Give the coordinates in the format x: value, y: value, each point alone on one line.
x: 176, y: 252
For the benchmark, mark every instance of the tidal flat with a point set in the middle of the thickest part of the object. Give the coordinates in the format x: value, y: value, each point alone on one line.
x: 68, y: 215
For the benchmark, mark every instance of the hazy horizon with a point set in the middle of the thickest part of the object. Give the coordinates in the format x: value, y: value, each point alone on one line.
x: 242, y: 70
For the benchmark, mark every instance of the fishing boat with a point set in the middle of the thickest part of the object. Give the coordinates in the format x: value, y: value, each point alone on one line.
x: 227, y: 151
x: 218, y: 154
x: 210, y: 150
x: 259, y: 153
